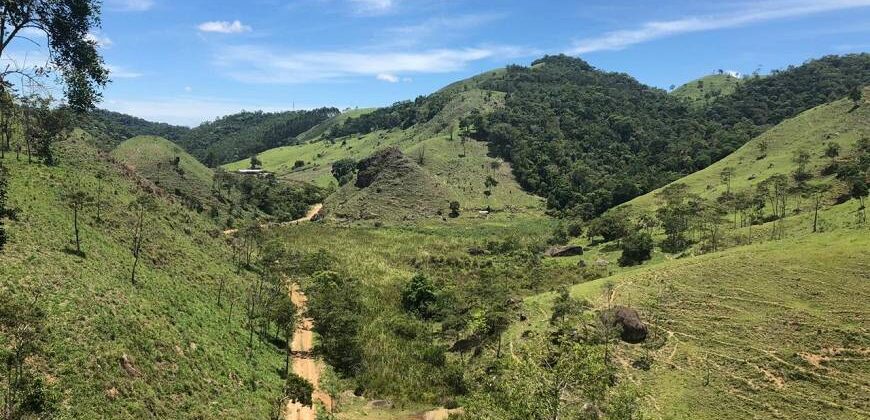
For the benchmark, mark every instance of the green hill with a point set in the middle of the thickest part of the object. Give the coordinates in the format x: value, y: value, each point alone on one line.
x: 701, y: 92
x: 168, y: 166
x: 389, y: 186
x: 774, y: 152
x: 318, y: 130
x: 771, y: 330
x: 107, y: 348
x: 111, y: 128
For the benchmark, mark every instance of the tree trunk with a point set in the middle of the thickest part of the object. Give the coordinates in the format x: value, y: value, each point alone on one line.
x: 76, y: 228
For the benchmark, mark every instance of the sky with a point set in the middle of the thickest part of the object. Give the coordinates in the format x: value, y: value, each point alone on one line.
x: 189, y: 61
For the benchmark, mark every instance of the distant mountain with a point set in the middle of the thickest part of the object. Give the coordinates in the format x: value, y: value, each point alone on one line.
x: 242, y: 135
x: 111, y: 128
x: 225, y: 140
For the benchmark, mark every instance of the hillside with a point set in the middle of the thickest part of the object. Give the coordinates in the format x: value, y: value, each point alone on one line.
x: 111, y: 128
x: 168, y: 167
x: 772, y: 330
x: 318, y: 130
x: 458, y: 163
x: 242, y: 135
x: 389, y: 186
x: 162, y: 347
x: 701, y: 92
x: 774, y: 152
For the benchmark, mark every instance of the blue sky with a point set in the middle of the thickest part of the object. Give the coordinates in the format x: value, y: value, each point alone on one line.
x: 188, y: 61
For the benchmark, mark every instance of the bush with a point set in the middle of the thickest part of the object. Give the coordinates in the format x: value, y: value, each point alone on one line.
x: 419, y: 297
x: 636, y: 248
x: 296, y: 388
x: 298, y: 164
x: 454, y: 209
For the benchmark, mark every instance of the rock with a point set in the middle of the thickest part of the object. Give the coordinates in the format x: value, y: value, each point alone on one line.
x: 127, y: 365
x: 475, y: 251
x: 628, y: 321
x: 565, y: 251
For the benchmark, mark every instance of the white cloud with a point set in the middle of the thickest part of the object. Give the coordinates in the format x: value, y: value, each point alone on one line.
x: 120, y: 72
x: 259, y: 65
x: 374, y: 7
x: 101, y: 40
x: 756, y: 13
x: 130, y: 5
x: 188, y: 89
x: 224, y: 27
x: 387, y: 77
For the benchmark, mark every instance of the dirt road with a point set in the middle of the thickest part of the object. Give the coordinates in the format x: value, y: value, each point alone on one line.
x: 304, y: 364
x: 307, y: 218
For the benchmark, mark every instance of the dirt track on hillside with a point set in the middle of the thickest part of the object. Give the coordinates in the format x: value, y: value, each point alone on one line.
x: 308, y: 216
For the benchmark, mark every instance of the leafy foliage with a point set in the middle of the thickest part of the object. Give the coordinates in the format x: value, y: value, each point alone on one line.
x: 296, y: 388
x: 636, y: 248
x: 242, y: 135
x: 72, y: 53
x: 110, y: 128
x: 335, y: 303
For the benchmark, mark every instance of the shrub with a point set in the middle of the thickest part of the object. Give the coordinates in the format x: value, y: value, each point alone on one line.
x: 636, y: 248
x: 454, y: 209
x: 296, y: 388
x: 419, y: 296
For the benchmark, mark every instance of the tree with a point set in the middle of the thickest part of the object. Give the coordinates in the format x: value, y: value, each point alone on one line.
x: 140, y: 207
x: 610, y: 226
x: 489, y: 183
x: 335, y: 304
x: 296, y: 388
x: 419, y: 296
x: 76, y: 199
x: 801, y: 158
x: 859, y: 191
x: 72, y: 51
x: 454, y: 209
x: 855, y: 95
x: 565, y: 306
x: 726, y: 176
x: 343, y: 170
x: 543, y: 382
x: 4, y: 183
x: 255, y: 162
x: 636, y: 248
x: 284, y: 316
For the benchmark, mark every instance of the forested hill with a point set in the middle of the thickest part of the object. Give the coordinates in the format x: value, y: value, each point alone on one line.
x: 226, y: 139
x: 588, y: 140
x: 241, y: 135
x: 111, y: 128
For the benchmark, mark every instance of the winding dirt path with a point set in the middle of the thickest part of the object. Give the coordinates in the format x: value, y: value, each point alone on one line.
x: 308, y: 216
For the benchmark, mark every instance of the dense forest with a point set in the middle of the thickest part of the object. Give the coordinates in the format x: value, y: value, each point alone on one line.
x: 239, y: 136
x: 111, y: 128
x: 588, y: 140
x: 227, y: 139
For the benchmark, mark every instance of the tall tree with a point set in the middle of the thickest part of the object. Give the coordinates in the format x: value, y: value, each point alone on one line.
x: 76, y: 199
x: 72, y: 51
x: 4, y: 183
x: 140, y: 208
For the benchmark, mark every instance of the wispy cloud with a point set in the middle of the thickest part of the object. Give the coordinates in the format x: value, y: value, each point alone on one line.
x: 387, y: 77
x: 260, y: 65
x: 373, y: 7
x: 129, y: 5
x: 224, y: 27
x: 121, y: 72
x: 440, y: 27
x: 101, y: 40
x: 760, y: 12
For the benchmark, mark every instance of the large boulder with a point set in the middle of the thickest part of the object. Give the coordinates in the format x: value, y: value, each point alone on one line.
x: 632, y: 329
x: 565, y: 251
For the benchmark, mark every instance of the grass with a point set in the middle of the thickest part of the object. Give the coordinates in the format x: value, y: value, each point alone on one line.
x: 191, y: 354
x: 704, y: 90
x: 461, y: 166
x: 778, y: 329
x: 153, y: 157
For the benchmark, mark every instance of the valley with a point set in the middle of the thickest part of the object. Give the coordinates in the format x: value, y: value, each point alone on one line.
x: 544, y: 241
